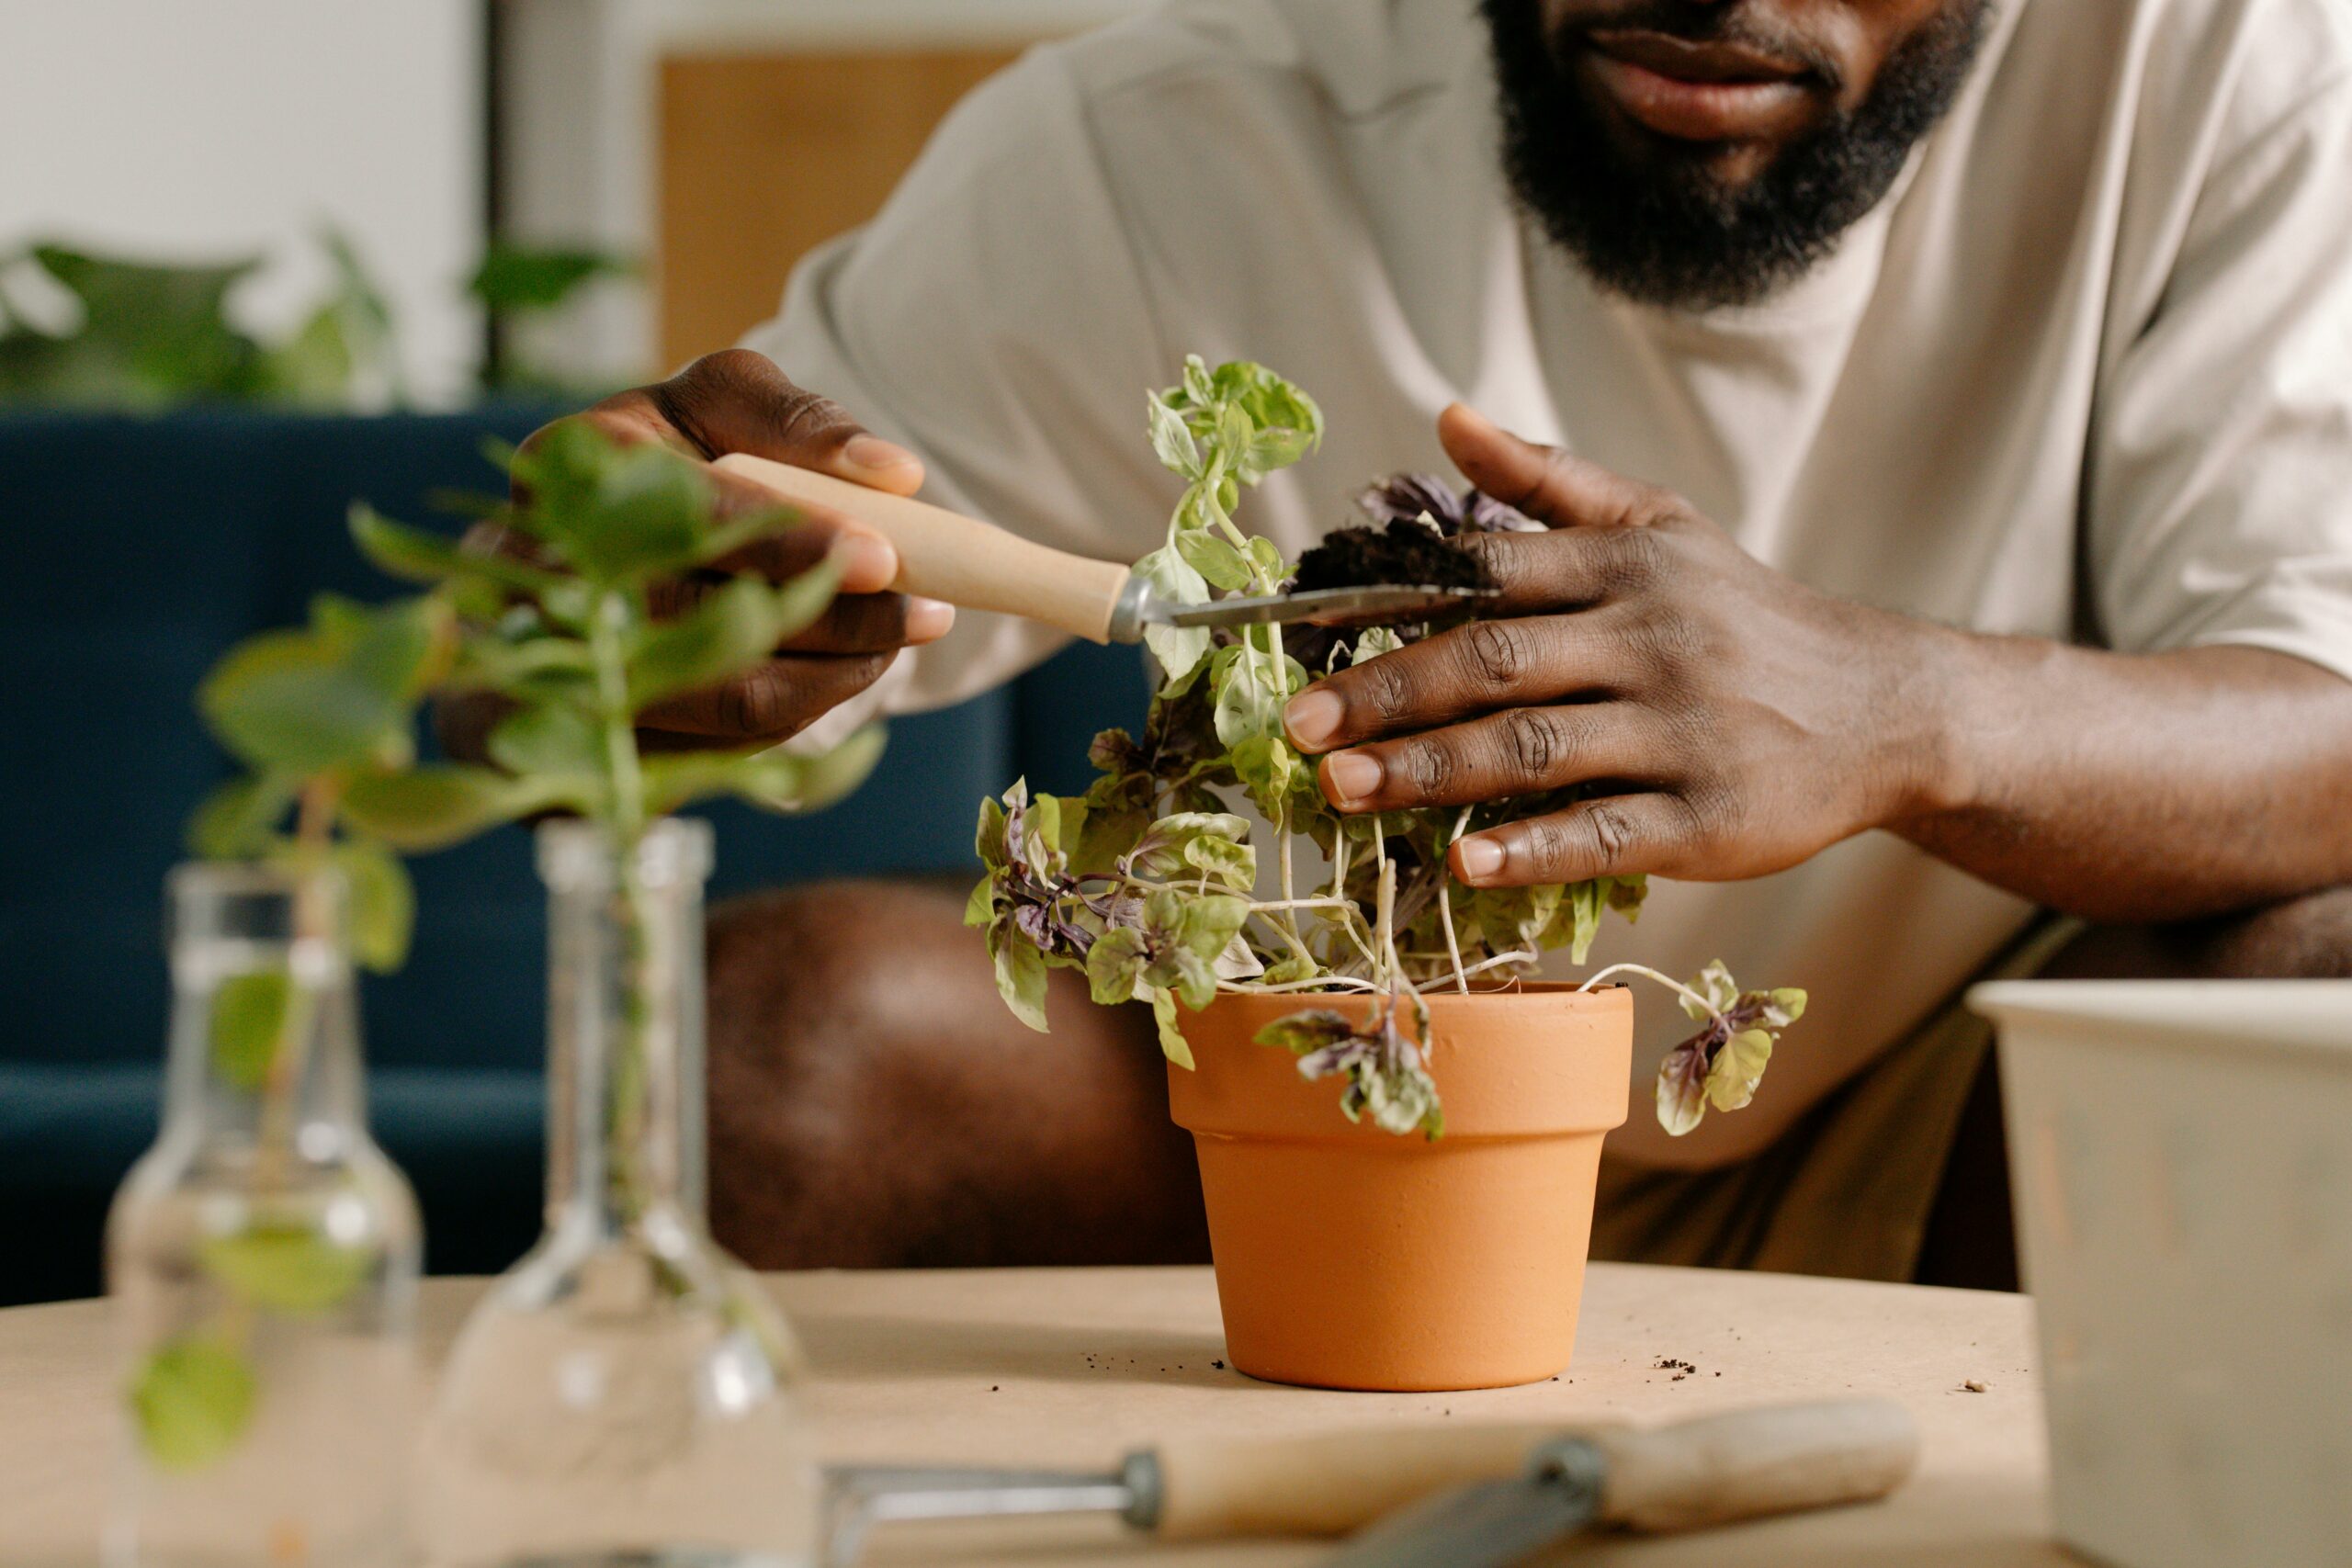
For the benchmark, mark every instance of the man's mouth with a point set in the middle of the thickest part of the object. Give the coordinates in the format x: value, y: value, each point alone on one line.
x: 1696, y: 92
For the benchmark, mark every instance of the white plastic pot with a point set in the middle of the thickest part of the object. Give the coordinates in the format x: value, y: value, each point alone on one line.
x: 2182, y: 1158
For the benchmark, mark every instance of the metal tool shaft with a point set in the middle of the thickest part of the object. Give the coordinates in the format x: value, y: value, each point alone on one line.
x: 858, y: 1498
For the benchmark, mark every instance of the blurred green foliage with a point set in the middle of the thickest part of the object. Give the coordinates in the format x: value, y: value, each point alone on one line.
x: 147, y: 336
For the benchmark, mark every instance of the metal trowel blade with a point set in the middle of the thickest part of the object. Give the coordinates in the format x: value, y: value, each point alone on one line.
x: 1488, y: 1525
x: 1375, y: 604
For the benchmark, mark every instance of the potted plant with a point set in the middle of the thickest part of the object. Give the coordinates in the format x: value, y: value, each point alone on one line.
x: 1349, y: 1253
x: 625, y: 1391
x: 264, y: 1254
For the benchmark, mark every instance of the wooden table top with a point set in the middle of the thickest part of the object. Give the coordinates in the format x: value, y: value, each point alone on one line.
x: 1076, y: 1367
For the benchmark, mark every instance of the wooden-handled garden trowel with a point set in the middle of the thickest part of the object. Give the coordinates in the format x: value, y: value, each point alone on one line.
x: 945, y: 555
x: 1472, y: 1497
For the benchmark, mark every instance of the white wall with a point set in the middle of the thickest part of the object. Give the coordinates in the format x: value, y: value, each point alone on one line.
x: 215, y: 126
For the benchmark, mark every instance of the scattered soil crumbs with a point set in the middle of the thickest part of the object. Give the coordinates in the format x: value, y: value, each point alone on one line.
x: 1218, y: 1365
x: 1680, y: 1369
x: 1404, y: 552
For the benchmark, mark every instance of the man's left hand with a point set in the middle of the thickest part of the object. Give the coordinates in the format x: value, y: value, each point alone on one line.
x: 1731, y: 720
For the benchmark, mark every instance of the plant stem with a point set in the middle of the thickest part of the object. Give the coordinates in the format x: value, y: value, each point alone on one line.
x: 1667, y: 980
x: 1321, y: 982
x: 1445, y: 906
x: 274, y: 1145
x: 625, y: 823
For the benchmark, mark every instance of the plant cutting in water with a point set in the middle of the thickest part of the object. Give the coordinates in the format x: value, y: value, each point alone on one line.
x: 570, y: 638
x: 1150, y: 882
x: 307, y: 712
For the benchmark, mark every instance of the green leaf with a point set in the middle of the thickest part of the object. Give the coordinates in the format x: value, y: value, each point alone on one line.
x: 383, y: 904
x: 833, y: 775
x: 728, y: 632
x: 1020, y: 976
x: 980, y: 908
x: 1310, y: 1030
x: 249, y: 1013
x: 1113, y: 966
x: 1270, y: 771
x: 1295, y: 967
x: 1173, y: 1043
x: 1713, y: 983
x: 770, y: 778
x: 191, y: 1399
x: 1171, y: 441
x: 988, y: 839
x: 332, y: 697
x: 1738, y: 1068
x: 514, y: 278
x: 616, y: 514
x: 285, y: 1268
x: 1209, y: 922
x: 1215, y: 558
x: 420, y: 556
x: 553, y: 736
x: 430, y: 808
x: 1179, y: 649
x: 236, y: 819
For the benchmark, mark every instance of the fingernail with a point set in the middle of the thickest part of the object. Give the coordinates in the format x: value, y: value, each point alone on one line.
x: 1461, y: 415
x: 1313, y: 718
x: 875, y: 456
x: 928, y: 619
x: 1479, y: 858
x: 1353, y: 775
x: 867, y: 564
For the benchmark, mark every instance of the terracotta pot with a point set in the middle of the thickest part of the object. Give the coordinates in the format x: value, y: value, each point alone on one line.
x: 1351, y: 1257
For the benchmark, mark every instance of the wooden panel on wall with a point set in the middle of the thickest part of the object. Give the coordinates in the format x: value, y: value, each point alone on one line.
x: 763, y: 157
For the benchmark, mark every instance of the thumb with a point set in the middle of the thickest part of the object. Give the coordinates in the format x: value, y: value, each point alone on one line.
x: 736, y: 400
x: 1544, y: 482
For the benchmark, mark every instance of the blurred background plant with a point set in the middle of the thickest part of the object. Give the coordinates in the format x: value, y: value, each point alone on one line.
x: 86, y: 330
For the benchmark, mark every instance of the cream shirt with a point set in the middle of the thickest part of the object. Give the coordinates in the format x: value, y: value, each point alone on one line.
x: 2085, y: 374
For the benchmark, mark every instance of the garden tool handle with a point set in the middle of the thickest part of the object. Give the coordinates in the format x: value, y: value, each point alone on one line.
x: 1712, y: 1470
x: 1776, y: 1458
x: 946, y: 555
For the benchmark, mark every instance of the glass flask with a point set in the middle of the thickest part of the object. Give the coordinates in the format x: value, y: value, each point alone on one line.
x: 623, y: 1394
x: 262, y: 1256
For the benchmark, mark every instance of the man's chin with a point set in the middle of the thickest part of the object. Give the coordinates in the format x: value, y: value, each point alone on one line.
x: 1690, y: 223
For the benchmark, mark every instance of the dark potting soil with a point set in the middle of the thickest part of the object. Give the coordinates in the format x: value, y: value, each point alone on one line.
x: 1404, y: 552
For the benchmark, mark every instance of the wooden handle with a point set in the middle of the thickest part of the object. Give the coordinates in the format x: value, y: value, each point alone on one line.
x: 946, y: 555
x: 1329, y: 1483
x: 1709, y: 1471
x: 1717, y: 1468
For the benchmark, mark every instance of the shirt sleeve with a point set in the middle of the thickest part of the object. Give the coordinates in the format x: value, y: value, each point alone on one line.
x: 991, y: 318
x: 2220, y: 502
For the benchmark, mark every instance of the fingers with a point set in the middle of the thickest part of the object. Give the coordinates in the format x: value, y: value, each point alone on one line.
x: 1544, y: 482
x: 1524, y: 752
x: 1471, y: 669
x: 767, y: 702
x: 853, y: 623
x: 1617, y: 835
x: 736, y: 400
x: 868, y: 562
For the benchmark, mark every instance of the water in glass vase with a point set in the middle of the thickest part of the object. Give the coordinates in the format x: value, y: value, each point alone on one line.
x: 624, y: 1393
x: 263, y: 1256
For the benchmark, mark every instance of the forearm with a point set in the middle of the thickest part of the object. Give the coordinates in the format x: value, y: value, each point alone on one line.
x: 2136, y: 788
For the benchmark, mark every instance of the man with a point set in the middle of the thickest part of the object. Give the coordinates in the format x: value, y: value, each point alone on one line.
x: 1943, y: 411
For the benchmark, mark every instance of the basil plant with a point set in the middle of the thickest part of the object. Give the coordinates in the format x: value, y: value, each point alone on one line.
x: 1154, y: 885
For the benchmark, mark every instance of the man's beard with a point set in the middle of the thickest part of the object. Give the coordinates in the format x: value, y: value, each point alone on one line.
x: 1665, y: 230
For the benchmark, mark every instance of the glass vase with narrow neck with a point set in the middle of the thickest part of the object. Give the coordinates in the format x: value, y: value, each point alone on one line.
x: 263, y: 1256
x: 623, y: 1394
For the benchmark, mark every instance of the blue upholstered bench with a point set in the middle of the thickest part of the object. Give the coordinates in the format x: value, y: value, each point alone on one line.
x: 137, y: 550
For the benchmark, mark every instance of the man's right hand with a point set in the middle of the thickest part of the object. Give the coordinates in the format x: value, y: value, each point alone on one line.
x: 736, y: 400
